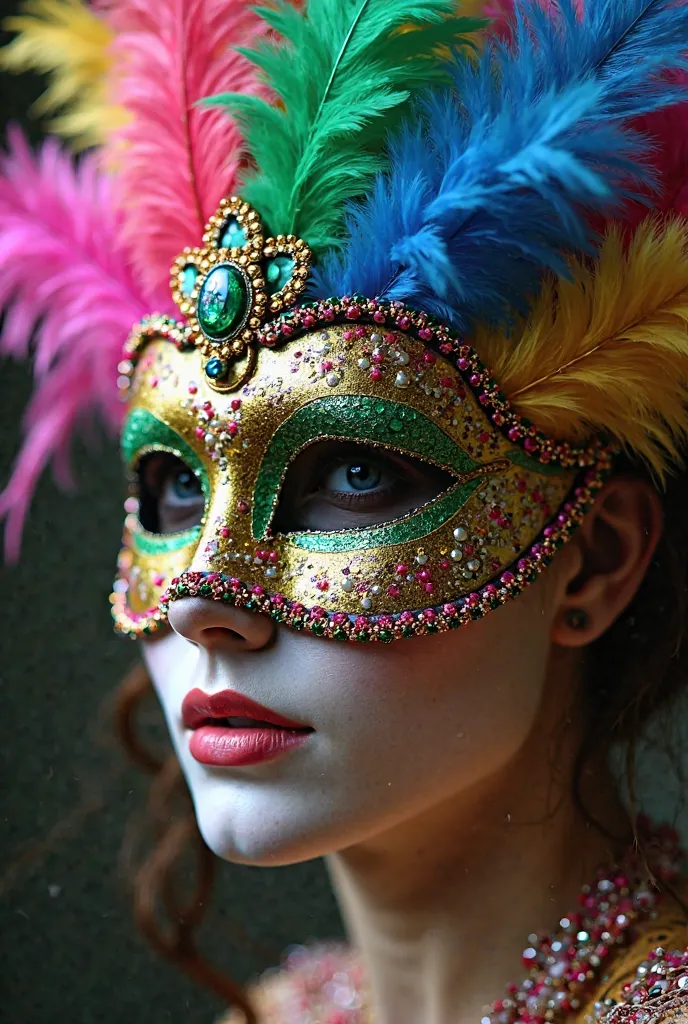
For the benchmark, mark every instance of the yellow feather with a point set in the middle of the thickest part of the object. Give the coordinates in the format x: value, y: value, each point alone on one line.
x: 64, y: 39
x: 606, y: 353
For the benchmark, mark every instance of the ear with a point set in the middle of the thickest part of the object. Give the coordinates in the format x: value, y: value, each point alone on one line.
x: 610, y: 555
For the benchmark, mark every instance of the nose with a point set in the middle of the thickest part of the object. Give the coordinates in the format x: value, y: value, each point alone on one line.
x: 218, y: 626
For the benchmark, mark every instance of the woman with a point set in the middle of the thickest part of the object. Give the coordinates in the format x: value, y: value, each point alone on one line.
x: 439, y: 397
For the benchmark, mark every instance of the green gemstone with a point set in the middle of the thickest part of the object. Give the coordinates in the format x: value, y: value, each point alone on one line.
x: 222, y: 302
x: 188, y: 282
x: 233, y: 236
x: 278, y: 272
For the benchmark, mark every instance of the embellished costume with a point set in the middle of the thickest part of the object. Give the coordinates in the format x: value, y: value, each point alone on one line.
x: 620, y: 957
x: 404, y: 230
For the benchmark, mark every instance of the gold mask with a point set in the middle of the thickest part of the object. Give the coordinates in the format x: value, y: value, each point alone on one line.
x: 355, y: 371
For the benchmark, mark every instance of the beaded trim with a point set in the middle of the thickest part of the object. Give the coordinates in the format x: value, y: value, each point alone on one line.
x: 158, y: 325
x: 383, y: 628
x: 396, y: 315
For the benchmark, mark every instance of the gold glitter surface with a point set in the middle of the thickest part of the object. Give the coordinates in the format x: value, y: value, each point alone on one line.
x: 507, y: 497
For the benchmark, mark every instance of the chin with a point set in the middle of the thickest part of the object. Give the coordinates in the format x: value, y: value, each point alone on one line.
x: 244, y: 823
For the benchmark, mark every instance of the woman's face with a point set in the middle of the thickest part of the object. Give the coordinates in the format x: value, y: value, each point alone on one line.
x: 396, y: 728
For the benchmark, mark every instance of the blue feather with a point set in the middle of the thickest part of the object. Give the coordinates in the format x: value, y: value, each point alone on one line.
x: 492, y: 183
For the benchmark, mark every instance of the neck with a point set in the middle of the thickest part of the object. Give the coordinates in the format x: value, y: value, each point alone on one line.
x: 440, y: 906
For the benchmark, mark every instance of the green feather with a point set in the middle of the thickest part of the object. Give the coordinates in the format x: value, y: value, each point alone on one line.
x: 345, y: 73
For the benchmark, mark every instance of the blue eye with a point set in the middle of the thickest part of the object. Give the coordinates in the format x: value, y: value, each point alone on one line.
x: 362, y: 476
x: 185, y: 485
x: 170, y: 494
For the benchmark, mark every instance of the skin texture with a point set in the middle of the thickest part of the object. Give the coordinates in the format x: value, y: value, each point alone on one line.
x: 438, y: 776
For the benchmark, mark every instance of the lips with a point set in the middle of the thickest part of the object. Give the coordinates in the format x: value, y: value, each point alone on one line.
x: 230, y: 729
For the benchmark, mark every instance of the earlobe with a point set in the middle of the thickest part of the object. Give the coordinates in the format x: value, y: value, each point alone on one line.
x: 616, y: 543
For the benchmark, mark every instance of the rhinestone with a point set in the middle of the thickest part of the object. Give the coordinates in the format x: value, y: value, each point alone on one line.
x: 473, y: 564
x: 233, y: 236
x: 363, y: 363
x: 332, y: 379
x: 347, y: 586
x: 457, y: 554
x: 375, y: 590
x: 460, y: 533
x: 279, y: 270
x: 375, y: 337
x: 421, y: 558
x: 401, y: 380
x: 683, y: 981
x: 271, y: 571
x: 583, y: 937
x: 403, y: 358
x: 188, y: 279
x: 366, y: 603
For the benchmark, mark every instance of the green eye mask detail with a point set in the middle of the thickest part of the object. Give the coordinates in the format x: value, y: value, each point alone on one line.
x: 375, y: 421
x: 410, y: 528
x: 144, y: 432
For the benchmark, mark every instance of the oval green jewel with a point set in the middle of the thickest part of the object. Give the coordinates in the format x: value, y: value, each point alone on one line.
x: 188, y: 281
x: 222, y: 302
x: 278, y: 272
x: 233, y: 236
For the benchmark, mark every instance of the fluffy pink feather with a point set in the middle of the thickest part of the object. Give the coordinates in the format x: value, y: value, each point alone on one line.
x: 63, y: 273
x: 175, y: 160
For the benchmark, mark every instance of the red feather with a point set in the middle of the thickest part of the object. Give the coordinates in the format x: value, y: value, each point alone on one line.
x: 175, y: 161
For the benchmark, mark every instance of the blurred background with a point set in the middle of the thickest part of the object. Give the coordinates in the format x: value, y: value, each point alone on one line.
x: 69, y: 949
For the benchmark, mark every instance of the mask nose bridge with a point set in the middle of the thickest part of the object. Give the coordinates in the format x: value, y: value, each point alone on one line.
x: 226, y: 542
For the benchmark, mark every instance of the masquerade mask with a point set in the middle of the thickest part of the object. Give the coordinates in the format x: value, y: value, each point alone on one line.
x: 480, y: 501
x: 401, y: 448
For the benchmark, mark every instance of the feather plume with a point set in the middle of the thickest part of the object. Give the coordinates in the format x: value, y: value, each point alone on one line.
x: 67, y: 41
x: 62, y: 273
x: 498, y: 177
x: 605, y: 351
x: 344, y: 72
x: 175, y: 160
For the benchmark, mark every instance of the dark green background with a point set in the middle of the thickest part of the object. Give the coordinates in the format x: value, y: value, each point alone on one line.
x: 69, y: 952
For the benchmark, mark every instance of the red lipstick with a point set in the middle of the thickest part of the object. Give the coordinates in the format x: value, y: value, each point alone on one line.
x: 230, y: 729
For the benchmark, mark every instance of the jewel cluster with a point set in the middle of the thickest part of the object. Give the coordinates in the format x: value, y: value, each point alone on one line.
x: 565, y: 966
x: 660, y: 986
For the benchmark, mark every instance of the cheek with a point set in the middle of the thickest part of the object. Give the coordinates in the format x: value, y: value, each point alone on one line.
x: 172, y: 664
x: 419, y: 720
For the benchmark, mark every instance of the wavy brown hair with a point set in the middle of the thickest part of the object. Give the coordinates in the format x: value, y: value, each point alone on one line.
x: 637, y: 666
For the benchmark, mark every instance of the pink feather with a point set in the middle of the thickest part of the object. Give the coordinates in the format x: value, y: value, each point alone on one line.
x: 175, y: 160
x: 64, y: 275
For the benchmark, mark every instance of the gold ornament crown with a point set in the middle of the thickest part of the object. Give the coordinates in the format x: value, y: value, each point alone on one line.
x: 227, y: 289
